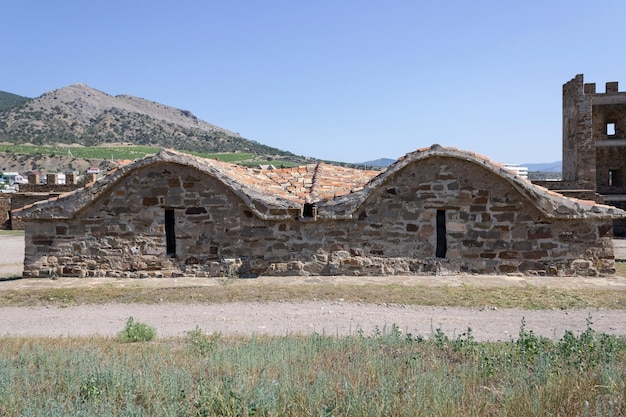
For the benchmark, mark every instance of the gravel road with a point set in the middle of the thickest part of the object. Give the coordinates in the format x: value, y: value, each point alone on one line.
x: 280, y: 318
x: 331, y: 318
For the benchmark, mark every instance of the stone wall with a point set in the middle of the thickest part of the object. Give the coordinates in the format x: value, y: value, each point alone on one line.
x: 594, y: 144
x: 482, y: 223
x: 579, y: 163
x: 611, y: 160
x: 569, y: 189
x: 49, y: 188
x: 19, y: 200
x: 5, y: 210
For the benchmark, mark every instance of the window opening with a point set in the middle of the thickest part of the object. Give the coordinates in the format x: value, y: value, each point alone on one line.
x: 610, y: 129
x: 615, y: 178
x: 170, y: 235
x: 309, y: 210
x: 442, y: 244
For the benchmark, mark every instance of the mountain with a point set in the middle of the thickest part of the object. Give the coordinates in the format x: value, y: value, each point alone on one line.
x: 532, y: 167
x: 8, y: 100
x: 381, y: 162
x: 79, y: 114
x: 544, y: 167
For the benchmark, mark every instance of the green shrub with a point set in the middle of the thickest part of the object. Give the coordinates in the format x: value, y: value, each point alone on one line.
x: 201, y: 343
x: 136, y: 332
x: 589, y: 349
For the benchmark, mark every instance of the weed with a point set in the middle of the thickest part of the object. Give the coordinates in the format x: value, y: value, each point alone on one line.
x: 135, y: 331
x: 589, y: 349
x: 465, y: 342
x: 529, y: 345
x: 440, y: 338
x: 201, y: 343
x: 90, y: 390
x: 222, y: 400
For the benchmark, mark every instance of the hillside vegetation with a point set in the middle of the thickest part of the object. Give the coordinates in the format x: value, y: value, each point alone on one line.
x: 8, y: 100
x: 24, y: 158
x: 80, y: 116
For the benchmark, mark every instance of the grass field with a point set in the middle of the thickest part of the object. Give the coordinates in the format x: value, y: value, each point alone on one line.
x: 130, y: 152
x: 11, y: 233
x: 387, y: 373
x: 526, y: 297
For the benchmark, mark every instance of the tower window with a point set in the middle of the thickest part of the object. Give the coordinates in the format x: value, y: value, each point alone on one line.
x: 610, y: 129
x: 170, y: 235
x: 615, y: 177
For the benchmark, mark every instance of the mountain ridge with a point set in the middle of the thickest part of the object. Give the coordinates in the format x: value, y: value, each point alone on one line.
x: 532, y: 167
x: 80, y: 114
x: 8, y: 100
x: 84, y: 95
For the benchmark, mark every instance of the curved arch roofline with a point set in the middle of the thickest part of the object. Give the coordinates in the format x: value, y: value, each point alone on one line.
x: 549, y: 203
x: 271, y: 201
x: 256, y: 198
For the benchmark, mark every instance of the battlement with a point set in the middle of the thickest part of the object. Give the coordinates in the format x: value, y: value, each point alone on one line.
x: 610, y: 88
x: 578, y: 85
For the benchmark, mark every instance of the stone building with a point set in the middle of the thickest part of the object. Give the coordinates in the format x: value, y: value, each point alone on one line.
x: 435, y: 210
x: 594, y: 143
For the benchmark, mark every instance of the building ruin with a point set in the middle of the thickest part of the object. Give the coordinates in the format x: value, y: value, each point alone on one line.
x: 436, y: 210
x: 594, y: 145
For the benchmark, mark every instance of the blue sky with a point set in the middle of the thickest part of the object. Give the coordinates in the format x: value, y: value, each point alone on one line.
x: 340, y: 80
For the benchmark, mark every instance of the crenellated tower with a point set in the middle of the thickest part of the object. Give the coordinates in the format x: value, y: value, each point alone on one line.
x: 594, y: 139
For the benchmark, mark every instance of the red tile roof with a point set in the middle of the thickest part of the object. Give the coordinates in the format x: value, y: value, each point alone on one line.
x: 320, y: 181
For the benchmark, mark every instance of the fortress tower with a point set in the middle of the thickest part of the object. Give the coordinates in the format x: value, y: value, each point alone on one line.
x: 594, y: 140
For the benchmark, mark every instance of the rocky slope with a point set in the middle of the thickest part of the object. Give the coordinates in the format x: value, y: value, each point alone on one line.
x: 10, y: 162
x: 79, y: 114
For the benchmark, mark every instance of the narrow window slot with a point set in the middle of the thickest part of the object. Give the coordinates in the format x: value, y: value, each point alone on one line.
x: 615, y: 177
x: 442, y: 244
x: 170, y: 235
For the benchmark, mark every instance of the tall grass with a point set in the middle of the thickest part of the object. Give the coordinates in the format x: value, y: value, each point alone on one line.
x: 387, y: 373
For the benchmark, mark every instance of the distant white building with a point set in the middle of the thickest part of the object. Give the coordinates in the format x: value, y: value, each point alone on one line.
x: 520, y: 170
x: 14, y: 178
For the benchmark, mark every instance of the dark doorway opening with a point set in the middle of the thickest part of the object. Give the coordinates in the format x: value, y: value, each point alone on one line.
x: 309, y: 210
x: 442, y: 244
x: 170, y: 233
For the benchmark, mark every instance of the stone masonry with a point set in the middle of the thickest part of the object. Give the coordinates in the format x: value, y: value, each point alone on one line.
x: 594, y: 144
x: 436, y: 210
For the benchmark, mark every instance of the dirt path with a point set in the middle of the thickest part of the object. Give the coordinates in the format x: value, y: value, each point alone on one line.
x: 290, y: 318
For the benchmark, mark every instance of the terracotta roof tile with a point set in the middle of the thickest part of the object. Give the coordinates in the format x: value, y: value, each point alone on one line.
x: 314, y: 181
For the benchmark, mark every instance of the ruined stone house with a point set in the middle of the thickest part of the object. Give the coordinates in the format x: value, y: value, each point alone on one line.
x: 435, y: 210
